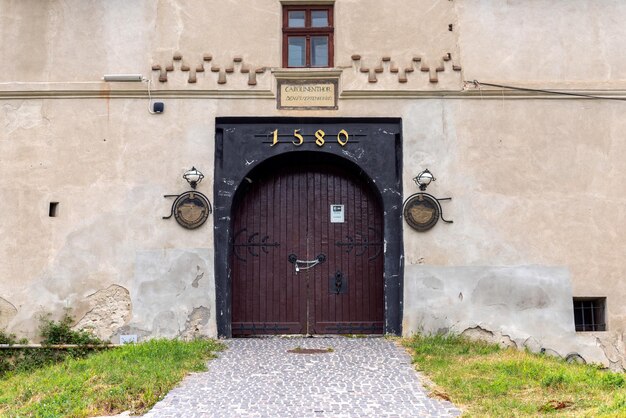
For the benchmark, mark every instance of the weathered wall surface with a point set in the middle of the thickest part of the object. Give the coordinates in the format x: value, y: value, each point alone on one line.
x: 542, y: 200
x: 574, y: 44
x: 534, y: 182
x: 538, y: 178
x: 108, y: 166
x: 82, y: 40
x: 526, y: 307
x: 577, y: 43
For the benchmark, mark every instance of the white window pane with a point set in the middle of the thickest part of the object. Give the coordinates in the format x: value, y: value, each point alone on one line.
x: 319, y: 18
x: 297, y: 51
x: 319, y: 51
x: 296, y: 19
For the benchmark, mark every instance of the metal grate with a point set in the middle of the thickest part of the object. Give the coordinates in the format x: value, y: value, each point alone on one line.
x: 589, y: 314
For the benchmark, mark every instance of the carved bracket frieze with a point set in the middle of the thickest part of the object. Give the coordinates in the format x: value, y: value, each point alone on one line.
x: 417, y: 64
x: 206, y: 65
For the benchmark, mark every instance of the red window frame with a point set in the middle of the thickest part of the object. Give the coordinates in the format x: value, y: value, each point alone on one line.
x: 307, y: 31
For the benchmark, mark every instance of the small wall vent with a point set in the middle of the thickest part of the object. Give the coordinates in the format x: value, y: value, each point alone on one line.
x: 53, y: 210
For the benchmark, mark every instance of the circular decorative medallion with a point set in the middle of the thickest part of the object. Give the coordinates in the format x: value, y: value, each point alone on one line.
x: 191, y: 209
x: 421, y: 212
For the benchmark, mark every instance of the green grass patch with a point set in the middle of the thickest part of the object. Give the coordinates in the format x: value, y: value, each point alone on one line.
x: 132, y: 377
x: 485, y: 380
x: 52, y: 333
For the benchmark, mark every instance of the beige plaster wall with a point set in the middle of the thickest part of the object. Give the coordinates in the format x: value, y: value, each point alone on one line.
x: 104, y: 161
x: 79, y: 40
x: 374, y: 29
x: 574, y: 43
x: 577, y: 43
x: 533, y: 181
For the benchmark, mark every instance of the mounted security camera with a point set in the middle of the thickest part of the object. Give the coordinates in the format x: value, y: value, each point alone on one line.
x: 158, y: 107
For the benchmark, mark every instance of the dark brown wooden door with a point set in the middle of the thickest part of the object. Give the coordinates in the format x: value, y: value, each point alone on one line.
x: 286, y: 216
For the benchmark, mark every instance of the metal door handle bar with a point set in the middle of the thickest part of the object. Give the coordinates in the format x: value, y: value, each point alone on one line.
x: 293, y: 259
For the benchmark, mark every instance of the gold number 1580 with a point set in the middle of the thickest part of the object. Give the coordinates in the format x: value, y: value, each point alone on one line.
x: 342, y: 138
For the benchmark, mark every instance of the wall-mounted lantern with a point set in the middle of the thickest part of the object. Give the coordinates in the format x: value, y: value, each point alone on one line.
x: 193, y: 177
x: 423, y: 179
x: 422, y: 210
x: 191, y: 209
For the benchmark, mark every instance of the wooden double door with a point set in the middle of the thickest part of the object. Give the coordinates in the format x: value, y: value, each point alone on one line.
x: 307, y: 254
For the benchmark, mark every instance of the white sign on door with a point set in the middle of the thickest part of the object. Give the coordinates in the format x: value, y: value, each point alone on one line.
x: 337, y: 214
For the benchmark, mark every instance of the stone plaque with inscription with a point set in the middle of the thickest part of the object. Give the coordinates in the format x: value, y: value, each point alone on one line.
x: 307, y: 94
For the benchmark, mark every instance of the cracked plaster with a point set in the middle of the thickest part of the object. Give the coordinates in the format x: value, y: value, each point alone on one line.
x: 614, y: 348
x: 171, y: 295
x: 109, y: 309
x: 7, y: 313
x: 197, y: 323
x: 523, y: 307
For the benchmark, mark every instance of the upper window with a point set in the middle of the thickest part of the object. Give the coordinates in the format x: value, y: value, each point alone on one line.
x: 307, y: 36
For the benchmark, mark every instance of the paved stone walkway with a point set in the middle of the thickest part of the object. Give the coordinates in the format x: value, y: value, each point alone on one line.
x: 365, y: 377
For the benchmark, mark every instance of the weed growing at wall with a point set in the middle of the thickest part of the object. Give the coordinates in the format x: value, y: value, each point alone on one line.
x: 52, y: 333
x: 8, y: 356
x: 61, y: 332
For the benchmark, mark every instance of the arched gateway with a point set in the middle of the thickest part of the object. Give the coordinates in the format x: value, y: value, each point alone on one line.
x: 307, y: 250
x: 307, y: 226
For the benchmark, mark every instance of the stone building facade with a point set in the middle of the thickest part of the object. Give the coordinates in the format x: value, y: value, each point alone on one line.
x: 464, y: 88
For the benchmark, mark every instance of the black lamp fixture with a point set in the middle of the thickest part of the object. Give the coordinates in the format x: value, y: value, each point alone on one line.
x: 423, y: 179
x: 193, y: 177
x: 191, y: 209
x: 422, y: 210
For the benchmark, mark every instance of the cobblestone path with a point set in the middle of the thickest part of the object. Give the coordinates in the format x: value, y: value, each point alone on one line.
x: 365, y: 377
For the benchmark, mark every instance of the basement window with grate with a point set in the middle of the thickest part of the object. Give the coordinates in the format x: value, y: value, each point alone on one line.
x: 590, y: 314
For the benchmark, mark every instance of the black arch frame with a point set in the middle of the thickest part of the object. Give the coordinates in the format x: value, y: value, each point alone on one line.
x: 374, y: 147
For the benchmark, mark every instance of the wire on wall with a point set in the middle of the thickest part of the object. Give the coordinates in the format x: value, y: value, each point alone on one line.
x: 478, y: 85
x: 148, y: 83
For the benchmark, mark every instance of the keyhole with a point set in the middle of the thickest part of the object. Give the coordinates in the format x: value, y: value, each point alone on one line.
x: 338, y: 282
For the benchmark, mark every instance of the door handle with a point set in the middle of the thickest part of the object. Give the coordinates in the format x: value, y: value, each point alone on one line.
x: 305, y: 264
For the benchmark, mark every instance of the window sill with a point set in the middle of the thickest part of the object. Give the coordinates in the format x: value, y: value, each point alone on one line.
x: 307, y: 73
x: 307, y: 2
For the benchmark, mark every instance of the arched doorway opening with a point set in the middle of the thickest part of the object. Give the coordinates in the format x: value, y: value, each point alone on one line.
x: 307, y: 249
x: 368, y: 148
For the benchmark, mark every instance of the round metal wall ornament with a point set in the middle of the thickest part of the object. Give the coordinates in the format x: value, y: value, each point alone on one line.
x: 191, y: 209
x: 421, y: 212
